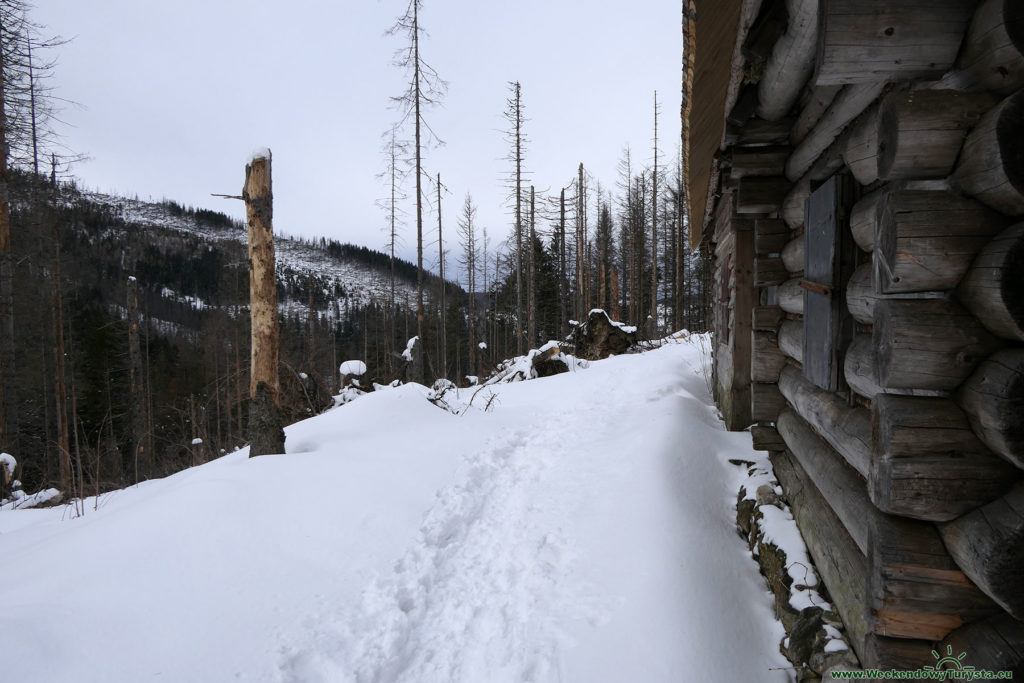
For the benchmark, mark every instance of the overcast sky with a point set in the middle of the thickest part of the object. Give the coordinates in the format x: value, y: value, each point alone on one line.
x: 175, y: 96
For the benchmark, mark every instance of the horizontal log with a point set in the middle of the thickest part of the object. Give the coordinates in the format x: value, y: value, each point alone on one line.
x: 770, y: 236
x: 766, y: 439
x: 988, y: 544
x: 861, y: 297
x: 767, y: 359
x: 842, y: 566
x: 992, y: 58
x: 847, y: 429
x: 993, y: 399
x: 767, y: 318
x: 812, y: 107
x: 793, y: 255
x: 769, y: 271
x: 757, y: 131
x: 927, y: 463
x: 791, y: 339
x: 791, y: 62
x: 927, y: 344
x: 879, y: 652
x: 848, y: 105
x: 993, y: 289
x: 761, y: 194
x: 914, y: 589
x: 866, y: 41
x: 991, y: 165
x: 921, y: 131
x: 840, y: 484
x: 790, y: 296
x: 861, y: 152
x: 995, y: 644
x: 860, y: 371
x: 757, y: 161
x: 864, y: 220
x: 793, y: 204
x: 766, y: 401
x: 926, y: 240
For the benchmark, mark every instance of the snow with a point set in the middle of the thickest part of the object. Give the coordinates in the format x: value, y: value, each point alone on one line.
x: 197, y: 441
x: 352, y: 367
x: 259, y: 153
x: 542, y: 540
x: 407, y: 354
x: 9, y: 463
x: 19, y: 500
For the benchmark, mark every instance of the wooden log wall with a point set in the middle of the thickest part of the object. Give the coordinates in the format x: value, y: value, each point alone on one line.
x: 904, y: 478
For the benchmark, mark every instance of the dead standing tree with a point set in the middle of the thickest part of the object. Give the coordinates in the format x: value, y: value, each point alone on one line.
x: 266, y: 429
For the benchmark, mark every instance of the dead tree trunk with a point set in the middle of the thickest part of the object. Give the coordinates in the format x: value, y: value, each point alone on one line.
x: 266, y: 431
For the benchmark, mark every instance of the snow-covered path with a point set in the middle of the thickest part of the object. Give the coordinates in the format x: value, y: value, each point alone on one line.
x: 581, y: 530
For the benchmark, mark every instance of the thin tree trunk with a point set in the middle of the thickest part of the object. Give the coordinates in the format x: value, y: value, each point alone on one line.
x: 442, y: 365
x: 531, y: 283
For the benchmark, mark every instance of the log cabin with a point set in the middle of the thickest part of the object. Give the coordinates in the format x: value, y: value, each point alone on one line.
x: 855, y: 170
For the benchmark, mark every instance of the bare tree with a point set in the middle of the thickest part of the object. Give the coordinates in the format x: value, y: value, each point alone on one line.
x: 469, y: 261
x: 516, y: 137
x: 425, y: 88
x: 654, y: 226
x: 392, y: 175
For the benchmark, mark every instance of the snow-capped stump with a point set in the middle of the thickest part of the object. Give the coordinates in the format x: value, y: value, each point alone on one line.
x: 7, y: 465
x: 549, y: 361
x: 350, y: 370
x: 599, y: 337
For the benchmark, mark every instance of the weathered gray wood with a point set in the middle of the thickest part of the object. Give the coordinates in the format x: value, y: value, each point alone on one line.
x: 927, y: 344
x: 840, y: 484
x: 790, y: 296
x: 759, y: 132
x: 988, y: 544
x: 748, y: 162
x: 793, y: 255
x: 861, y: 151
x: 864, y: 220
x: 992, y: 58
x: 993, y: 289
x: 848, y: 105
x: 903, y: 654
x: 742, y: 293
x: 812, y: 108
x: 859, y: 367
x: 927, y: 240
x: 767, y: 318
x: 867, y: 41
x: 991, y: 165
x: 791, y: 62
x: 793, y: 204
x: 766, y: 401
x: 845, y: 428
x: 769, y: 270
x: 766, y: 439
x: 843, y: 568
x: 770, y: 236
x: 993, y: 399
x: 995, y: 644
x: 921, y: 131
x: 791, y: 339
x: 860, y: 295
x: 767, y: 359
x: 927, y: 463
x: 914, y: 589
x: 757, y: 194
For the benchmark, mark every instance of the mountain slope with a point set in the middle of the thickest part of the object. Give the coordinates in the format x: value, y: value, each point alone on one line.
x: 579, y: 530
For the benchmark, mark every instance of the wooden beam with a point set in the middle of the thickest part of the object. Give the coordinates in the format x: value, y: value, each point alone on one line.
x: 812, y: 108
x: 991, y: 165
x: 793, y: 255
x: 758, y: 194
x: 793, y: 204
x: 757, y: 161
x: 862, y: 147
x: 766, y: 401
x: 864, y: 219
x: 769, y: 271
x: 767, y: 318
x: 869, y: 41
x: 848, y: 105
x: 791, y: 339
x: 791, y: 63
x: 920, y: 131
x: 927, y: 463
x: 790, y: 296
x: 759, y: 132
x: 995, y: 644
x: 927, y: 344
x: 993, y: 289
x: 992, y: 57
x: 993, y: 399
x: 770, y: 236
x: 767, y: 358
x: 988, y: 544
x: 766, y: 439
x: 927, y: 240
x: 845, y: 428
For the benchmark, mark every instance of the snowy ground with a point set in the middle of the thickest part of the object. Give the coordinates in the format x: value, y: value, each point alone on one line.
x: 581, y: 530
